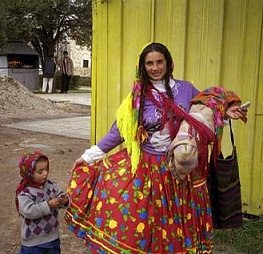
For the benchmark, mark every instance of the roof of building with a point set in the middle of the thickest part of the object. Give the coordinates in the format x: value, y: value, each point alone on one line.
x: 18, y: 47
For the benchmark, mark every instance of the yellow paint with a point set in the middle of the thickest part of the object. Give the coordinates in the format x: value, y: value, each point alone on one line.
x: 212, y: 42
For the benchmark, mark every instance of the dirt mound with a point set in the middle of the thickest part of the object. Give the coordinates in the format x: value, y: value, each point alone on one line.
x: 17, y: 101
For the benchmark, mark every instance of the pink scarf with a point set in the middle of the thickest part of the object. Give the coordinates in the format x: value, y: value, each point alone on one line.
x: 27, y: 164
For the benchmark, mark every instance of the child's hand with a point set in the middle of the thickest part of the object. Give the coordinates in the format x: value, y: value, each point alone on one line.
x: 63, y: 199
x: 54, y: 203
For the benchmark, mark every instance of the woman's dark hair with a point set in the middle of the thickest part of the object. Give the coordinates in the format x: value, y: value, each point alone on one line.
x: 143, y: 76
x: 157, y: 47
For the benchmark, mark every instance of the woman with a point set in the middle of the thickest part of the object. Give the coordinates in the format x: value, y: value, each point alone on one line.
x: 130, y: 202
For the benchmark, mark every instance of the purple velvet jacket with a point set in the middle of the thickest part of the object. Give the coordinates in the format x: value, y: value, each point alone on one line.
x: 158, y: 140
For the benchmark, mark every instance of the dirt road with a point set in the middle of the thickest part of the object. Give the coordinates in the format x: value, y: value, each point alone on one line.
x: 62, y: 151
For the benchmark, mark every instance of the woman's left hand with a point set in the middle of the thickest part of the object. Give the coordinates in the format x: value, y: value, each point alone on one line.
x: 235, y: 112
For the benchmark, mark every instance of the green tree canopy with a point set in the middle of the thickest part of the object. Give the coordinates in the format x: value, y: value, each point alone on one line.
x: 45, y: 23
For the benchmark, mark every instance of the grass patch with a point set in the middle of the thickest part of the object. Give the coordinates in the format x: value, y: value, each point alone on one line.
x: 248, y: 239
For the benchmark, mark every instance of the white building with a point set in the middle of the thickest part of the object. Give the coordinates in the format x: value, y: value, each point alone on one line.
x: 81, y: 57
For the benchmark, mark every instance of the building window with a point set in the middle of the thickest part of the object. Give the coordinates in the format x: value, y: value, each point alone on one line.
x: 85, y: 63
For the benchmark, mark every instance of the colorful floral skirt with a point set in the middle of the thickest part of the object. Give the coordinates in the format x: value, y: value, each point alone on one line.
x: 149, y: 212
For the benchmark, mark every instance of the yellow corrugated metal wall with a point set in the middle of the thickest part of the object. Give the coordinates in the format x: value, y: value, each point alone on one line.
x: 212, y: 42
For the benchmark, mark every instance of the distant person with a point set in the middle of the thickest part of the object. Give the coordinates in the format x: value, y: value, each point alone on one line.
x: 48, y: 74
x: 37, y: 201
x: 66, y: 68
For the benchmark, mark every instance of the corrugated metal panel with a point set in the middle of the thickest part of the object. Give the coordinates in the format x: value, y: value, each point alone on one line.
x: 212, y: 42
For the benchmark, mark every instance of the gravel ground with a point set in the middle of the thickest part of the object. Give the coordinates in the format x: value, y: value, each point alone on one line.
x: 15, y: 99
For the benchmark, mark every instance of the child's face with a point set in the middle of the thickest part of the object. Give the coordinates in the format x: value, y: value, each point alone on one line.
x: 41, y: 172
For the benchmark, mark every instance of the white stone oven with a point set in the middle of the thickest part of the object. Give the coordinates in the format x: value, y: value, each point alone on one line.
x: 20, y: 61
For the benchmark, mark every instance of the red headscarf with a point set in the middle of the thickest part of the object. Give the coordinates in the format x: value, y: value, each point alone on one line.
x: 27, y: 164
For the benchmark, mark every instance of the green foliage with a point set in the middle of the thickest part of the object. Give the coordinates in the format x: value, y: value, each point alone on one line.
x: 45, y: 23
x: 75, y: 82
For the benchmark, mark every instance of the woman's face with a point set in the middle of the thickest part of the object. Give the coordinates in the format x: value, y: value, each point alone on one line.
x: 155, y: 65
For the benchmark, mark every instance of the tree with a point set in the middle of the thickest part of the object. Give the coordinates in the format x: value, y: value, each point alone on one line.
x: 45, y: 23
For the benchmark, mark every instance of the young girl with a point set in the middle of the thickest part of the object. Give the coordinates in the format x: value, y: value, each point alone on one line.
x: 37, y: 201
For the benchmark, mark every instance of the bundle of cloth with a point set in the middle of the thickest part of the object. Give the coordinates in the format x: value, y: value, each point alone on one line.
x: 208, y: 107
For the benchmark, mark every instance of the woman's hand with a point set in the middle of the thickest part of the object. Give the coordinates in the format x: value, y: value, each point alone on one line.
x: 235, y: 112
x: 77, y: 162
